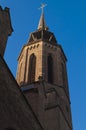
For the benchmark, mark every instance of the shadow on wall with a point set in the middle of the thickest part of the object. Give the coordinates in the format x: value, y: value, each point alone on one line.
x: 10, y: 128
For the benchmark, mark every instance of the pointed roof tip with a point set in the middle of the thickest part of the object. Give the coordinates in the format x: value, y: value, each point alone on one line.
x: 42, y: 23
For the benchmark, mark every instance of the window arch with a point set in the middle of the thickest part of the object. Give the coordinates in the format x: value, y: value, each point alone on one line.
x: 32, y: 68
x: 50, y: 68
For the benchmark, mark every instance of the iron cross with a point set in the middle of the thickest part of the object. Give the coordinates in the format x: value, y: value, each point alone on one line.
x: 42, y: 6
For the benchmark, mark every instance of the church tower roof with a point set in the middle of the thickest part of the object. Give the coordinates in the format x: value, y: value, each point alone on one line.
x: 42, y: 32
x: 42, y: 24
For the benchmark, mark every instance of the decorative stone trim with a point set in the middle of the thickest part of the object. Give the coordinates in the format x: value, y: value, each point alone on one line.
x: 50, y: 46
x: 33, y: 46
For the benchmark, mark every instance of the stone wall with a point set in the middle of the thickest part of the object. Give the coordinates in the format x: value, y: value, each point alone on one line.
x: 5, y: 28
x: 15, y: 111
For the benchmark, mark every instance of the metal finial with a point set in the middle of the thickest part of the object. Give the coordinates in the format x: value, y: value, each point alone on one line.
x: 42, y: 6
x: 42, y: 24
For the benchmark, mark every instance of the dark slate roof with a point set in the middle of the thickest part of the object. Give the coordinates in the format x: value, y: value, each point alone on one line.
x: 15, y: 112
x: 43, y: 35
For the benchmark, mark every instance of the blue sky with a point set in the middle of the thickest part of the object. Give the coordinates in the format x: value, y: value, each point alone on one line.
x: 67, y: 19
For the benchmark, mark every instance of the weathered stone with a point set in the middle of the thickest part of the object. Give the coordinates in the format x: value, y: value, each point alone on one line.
x: 5, y: 28
x: 48, y: 93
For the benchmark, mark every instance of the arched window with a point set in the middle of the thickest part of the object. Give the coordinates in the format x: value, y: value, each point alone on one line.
x: 50, y: 69
x: 32, y: 68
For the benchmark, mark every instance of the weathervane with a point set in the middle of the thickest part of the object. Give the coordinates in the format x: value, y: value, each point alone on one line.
x: 42, y: 7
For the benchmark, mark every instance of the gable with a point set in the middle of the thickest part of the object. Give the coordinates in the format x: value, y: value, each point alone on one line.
x: 15, y: 112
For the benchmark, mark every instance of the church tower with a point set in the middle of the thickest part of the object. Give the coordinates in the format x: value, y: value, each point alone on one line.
x: 42, y: 77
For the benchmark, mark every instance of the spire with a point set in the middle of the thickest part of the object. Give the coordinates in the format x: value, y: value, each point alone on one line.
x: 42, y: 24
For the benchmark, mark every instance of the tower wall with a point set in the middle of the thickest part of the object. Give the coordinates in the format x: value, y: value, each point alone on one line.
x: 59, y: 64
x: 49, y: 101
x: 51, y: 105
x: 24, y: 62
x: 5, y: 28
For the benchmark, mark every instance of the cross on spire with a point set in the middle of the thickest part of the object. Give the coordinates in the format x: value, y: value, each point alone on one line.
x: 43, y: 6
x: 42, y: 24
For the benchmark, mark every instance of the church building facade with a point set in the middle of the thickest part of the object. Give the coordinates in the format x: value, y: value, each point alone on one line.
x: 42, y: 77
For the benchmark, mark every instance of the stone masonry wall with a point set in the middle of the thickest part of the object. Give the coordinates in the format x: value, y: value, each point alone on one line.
x: 5, y: 28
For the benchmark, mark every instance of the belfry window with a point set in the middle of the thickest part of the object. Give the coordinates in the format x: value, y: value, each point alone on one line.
x: 50, y: 68
x: 32, y: 68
